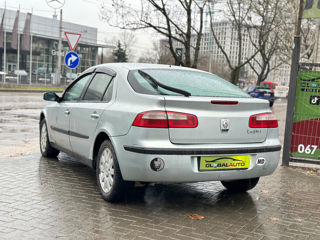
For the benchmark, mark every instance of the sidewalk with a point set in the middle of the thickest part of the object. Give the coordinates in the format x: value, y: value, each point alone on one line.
x: 48, y: 199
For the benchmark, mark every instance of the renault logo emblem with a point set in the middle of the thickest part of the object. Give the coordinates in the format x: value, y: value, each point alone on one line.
x: 224, y: 124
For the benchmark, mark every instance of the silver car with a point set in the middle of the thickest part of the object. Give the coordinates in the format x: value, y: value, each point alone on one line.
x: 160, y: 124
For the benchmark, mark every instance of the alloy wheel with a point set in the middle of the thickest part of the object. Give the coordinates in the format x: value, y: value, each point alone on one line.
x: 43, y: 142
x: 106, y: 166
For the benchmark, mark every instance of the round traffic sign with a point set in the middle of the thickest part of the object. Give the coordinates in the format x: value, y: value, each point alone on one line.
x: 72, y: 60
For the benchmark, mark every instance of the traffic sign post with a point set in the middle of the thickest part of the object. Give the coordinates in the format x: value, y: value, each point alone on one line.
x: 71, y: 60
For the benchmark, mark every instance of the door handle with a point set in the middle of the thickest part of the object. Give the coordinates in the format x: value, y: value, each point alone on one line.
x: 94, y: 116
x: 67, y: 112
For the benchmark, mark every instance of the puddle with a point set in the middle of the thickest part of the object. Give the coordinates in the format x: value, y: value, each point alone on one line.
x: 19, y: 123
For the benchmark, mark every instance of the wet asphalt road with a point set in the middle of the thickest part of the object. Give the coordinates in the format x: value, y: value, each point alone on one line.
x: 44, y: 198
x: 19, y: 128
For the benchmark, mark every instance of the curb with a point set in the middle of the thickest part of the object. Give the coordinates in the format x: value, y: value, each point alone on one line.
x: 29, y: 91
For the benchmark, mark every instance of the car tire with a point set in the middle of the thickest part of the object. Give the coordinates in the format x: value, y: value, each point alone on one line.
x: 271, y: 103
x: 45, y: 147
x: 109, y: 179
x: 242, y: 185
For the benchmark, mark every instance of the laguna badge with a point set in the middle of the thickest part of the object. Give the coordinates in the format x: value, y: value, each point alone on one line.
x: 224, y: 124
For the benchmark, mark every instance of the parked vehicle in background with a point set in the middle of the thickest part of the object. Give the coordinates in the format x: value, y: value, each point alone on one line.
x: 281, y: 92
x: 160, y: 124
x: 261, y: 92
x: 271, y: 85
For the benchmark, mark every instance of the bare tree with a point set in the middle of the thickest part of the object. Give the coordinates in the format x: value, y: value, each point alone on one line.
x: 180, y: 21
x: 237, y: 12
x: 273, y: 24
x: 203, y: 62
x: 308, y: 32
x: 162, y: 52
x: 265, y: 36
x: 288, y: 18
x: 220, y: 69
x: 148, y: 57
x: 128, y: 40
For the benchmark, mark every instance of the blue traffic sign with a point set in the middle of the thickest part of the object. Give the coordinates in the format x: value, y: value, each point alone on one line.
x: 72, y: 60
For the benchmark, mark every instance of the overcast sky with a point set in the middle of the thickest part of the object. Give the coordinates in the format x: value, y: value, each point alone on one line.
x: 85, y: 12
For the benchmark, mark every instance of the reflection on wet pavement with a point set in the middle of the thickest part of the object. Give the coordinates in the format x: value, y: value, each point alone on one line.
x: 58, y: 199
x: 19, y: 123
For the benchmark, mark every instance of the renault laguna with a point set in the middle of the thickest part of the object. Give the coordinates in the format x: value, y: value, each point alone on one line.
x: 160, y: 124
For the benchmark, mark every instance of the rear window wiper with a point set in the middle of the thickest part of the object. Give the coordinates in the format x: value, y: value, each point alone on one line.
x: 172, y: 89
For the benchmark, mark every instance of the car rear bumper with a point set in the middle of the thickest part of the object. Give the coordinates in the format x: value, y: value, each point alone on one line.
x: 181, y: 162
x: 202, y: 151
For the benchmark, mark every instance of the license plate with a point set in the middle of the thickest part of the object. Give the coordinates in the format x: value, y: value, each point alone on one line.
x: 267, y: 94
x: 214, y: 163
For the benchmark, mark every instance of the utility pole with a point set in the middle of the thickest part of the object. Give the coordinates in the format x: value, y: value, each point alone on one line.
x: 18, y: 54
x: 18, y: 58
x: 30, y: 73
x: 58, y: 80
x: 5, y: 45
x: 102, y: 56
x: 31, y: 46
x: 211, y: 12
x: 5, y: 55
x: 55, y: 4
x: 292, y: 89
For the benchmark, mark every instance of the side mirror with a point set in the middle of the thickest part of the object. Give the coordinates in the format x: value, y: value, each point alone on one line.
x: 51, y: 96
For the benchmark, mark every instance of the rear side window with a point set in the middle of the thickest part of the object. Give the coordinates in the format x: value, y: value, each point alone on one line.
x: 196, y: 83
x: 74, y: 92
x: 108, y: 95
x: 97, y: 87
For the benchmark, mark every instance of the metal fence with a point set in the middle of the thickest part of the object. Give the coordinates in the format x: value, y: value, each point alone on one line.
x: 39, y: 80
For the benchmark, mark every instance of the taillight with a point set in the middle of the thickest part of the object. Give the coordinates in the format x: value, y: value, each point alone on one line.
x: 264, y: 120
x: 152, y: 119
x: 182, y: 120
x: 163, y: 119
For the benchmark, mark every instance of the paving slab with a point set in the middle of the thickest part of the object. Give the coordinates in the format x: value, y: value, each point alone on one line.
x: 58, y: 199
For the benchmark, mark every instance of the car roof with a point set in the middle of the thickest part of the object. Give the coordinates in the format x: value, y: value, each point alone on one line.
x: 135, y: 66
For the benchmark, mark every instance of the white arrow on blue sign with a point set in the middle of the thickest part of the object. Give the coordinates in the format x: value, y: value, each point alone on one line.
x: 72, y: 60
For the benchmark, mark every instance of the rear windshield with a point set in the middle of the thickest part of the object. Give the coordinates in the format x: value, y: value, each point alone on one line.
x: 196, y: 83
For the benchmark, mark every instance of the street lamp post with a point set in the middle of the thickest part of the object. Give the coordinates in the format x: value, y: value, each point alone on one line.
x: 59, y: 50
x: 58, y: 4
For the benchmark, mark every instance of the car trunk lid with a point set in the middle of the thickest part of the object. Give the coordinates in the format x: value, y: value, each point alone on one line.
x: 220, y: 120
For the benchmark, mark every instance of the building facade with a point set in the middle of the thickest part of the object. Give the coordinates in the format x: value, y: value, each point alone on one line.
x: 29, y: 51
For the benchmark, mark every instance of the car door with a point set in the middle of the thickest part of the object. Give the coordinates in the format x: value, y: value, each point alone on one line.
x: 61, y: 124
x: 86, y: 113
